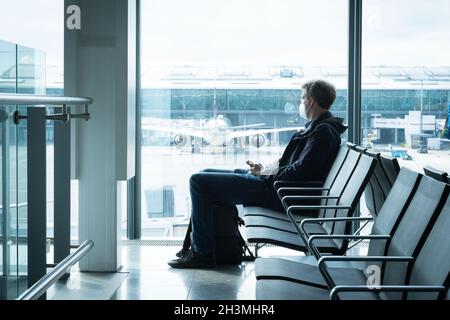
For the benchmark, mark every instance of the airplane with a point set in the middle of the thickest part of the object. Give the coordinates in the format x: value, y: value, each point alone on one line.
x: 218, y: 131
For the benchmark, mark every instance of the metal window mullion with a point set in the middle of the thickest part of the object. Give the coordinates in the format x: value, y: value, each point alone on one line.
x: 5, y: 193
x: 355, y: 78
x: 134, y: 226
x: 355, y: 70
x: 37, y: 195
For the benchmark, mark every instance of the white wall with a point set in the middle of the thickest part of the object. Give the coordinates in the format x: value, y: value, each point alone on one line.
x: 100, y: 63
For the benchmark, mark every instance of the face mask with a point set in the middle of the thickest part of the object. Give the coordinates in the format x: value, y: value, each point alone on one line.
x: 303, y: 111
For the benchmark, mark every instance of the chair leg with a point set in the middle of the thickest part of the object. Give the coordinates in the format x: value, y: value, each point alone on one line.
x: 257, y: 247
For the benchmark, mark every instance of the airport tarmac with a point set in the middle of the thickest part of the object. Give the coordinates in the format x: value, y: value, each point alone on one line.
x: 439, y: 159
x: 172, y: 168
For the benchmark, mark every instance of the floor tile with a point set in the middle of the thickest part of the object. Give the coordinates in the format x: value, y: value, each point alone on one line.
x: 151, y: 293
x: 161, y: 278
x: 87, y: 286
x: 214, y: 291
x: 151, y: 278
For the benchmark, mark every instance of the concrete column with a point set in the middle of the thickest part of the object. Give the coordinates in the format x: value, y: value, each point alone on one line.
x: 100, y: 63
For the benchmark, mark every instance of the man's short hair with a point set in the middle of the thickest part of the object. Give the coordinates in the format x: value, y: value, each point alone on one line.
x: 323, y: 92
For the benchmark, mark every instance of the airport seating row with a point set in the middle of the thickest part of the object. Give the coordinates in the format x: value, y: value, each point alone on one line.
x: 381, y: 181
x: 437, y: 174
x: 408, y: 250
x: 353, y: 171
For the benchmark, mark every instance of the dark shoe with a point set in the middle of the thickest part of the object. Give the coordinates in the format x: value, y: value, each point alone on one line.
x: 193, y: 260
x: 182, y: 253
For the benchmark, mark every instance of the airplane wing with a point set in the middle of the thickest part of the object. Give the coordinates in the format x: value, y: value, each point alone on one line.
x: 248, y: 126
x: 177, y: 130
x: 246, y: 133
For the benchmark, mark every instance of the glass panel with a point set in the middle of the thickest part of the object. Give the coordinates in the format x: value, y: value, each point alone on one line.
x: 30, y: 71
x: 41, y: 71
x: 7, y: 67
x: 8, y: 188
x: 31, y: 80
x: 222, y: 69
x: 9, y: 243
x: 406, y: 81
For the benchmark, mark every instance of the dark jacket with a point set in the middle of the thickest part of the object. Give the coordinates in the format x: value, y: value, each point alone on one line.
x: 311, y: 153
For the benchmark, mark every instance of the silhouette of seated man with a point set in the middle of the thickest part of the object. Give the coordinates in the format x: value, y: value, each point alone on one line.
x: 308, y: 157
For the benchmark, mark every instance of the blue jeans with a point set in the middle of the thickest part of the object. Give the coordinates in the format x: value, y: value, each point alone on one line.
x: 234, y: 187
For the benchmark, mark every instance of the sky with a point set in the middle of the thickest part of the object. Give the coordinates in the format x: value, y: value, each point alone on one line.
x: 256, y: 32
x: 37, y: 24
x: 301, y: 32
x: 237, y: 32
x: 406, y: 32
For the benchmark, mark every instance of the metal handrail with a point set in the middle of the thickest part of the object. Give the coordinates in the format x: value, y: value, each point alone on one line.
x: 39, y: 100
x: 24, y: 204
x: 48, y: 100
x: 40, y: 287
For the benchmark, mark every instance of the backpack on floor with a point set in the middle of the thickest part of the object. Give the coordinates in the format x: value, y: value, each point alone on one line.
x: 231, y: 247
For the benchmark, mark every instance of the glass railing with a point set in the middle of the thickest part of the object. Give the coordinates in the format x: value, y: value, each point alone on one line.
x: 22, y: 71
x: 24, y: 198
x: 29, y: 213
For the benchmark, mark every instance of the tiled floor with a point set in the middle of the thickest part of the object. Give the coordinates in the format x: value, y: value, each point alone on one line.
x: 146, y: 276
x: 87, y: 286
x: 150, y: 278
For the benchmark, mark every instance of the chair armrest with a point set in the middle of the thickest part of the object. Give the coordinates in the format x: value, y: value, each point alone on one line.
x: 323, y: 260
x: 308, y: 208
x: 306, y: 184
x: 308, y: 197
x: 286, y: 198
x: 377, y: 289
x: 338, y: 219
x: 347, y: 237
x: 312, y: 248
x: 284, y: 189
x: 320, y: 220
x: 302, y: 189
x: 305, y: 208
x: 329, y: 279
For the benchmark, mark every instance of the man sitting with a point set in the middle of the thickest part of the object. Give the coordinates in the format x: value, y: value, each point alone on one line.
x: 308, y: 157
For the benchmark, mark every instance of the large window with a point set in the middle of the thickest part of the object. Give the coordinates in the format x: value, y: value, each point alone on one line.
x: 217, y: 78
x: 406, y: 80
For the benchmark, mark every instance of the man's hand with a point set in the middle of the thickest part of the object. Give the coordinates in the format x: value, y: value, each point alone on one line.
x: 255, y: 169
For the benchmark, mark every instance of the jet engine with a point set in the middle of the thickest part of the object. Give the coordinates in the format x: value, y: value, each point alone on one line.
x: 258, y: 140
x: 180, y: 140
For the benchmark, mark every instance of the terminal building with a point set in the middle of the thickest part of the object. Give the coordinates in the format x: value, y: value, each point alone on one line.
x: 108, y: 112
